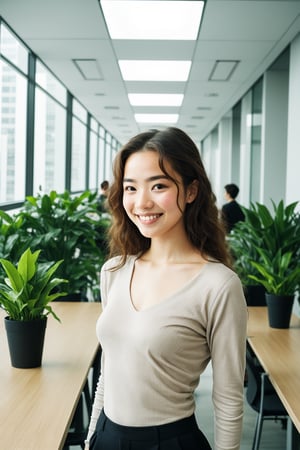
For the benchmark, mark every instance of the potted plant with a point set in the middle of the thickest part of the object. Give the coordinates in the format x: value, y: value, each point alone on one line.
x: 277, y: 267
x: 68, y: 228
x: 25, y: 296
x: 281, y: 281
x: 243, y: 241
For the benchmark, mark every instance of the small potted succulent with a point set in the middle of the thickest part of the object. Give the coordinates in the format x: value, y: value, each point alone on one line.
x: 25, y: 296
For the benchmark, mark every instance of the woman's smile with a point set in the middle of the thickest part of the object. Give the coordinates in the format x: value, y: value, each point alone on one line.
x: 148, y: 219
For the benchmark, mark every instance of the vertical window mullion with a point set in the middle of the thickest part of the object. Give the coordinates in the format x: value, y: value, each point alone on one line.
x: 30, y: 125
x: 69, y: 141
x: 98, y: 158
x: 88, y: 140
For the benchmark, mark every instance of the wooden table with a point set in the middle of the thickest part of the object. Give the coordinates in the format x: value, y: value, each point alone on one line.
x: 278, y: 351
x: 37, y: 405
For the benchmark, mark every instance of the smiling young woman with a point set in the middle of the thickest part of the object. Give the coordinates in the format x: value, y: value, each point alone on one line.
x: 169, y: 300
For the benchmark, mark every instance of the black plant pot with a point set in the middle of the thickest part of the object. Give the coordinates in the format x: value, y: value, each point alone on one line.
x: 279, y: 310
x: 255, y: 295
x: 26, y: 342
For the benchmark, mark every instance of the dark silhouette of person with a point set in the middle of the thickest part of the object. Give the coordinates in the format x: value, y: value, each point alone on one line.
x: 104, y: 186
x: 231, y: 210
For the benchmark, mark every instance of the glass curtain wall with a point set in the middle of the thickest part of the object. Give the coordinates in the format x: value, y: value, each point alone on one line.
x: 49, y: 132
x: 255, y: 162
x: 79, y: 148
x: 35, y: 103
x: 102, y: 155
x: 49, y: 144
x: 13, y: 115
x: 93, y: 164
x: 236, y: 143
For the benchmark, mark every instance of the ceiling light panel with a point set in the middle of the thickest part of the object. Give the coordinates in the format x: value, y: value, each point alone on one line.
x: 223, y: 70
x: 88, y: 68
x: 155, y: 99
x: 156, y: 118
x: 137, y: 70
x: 148, y: 19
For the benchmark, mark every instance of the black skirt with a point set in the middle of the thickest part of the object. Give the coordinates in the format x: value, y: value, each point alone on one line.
x: 183, y: 434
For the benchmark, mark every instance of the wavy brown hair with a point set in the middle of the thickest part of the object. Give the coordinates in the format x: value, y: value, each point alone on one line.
x: 201, y: 217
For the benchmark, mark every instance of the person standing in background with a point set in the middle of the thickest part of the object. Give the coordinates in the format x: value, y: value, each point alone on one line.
x: 104, y: 186
x: 171, y: 304
x: 231, y: 211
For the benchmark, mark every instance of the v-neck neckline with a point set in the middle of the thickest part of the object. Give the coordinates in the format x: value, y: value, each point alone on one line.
x: 169, y: 297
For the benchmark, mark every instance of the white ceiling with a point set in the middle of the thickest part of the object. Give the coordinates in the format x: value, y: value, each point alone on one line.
x: 254, y: 32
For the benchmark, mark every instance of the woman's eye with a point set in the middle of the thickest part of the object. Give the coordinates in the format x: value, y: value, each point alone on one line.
x: 129, y: 188
x: 159, y: 186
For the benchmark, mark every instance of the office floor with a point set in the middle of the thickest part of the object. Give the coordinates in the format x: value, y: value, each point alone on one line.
x: 273, y: 436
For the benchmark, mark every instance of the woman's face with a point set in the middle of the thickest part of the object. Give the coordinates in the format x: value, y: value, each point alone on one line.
x: 151, y: 200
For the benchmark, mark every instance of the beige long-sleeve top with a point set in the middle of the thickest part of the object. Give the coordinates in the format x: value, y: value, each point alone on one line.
x: 152, y: 359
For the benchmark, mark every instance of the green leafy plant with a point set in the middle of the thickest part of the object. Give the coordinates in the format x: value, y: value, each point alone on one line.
x: 11, y: 243
x: 276, y: 273
x: 266, y: 247
x: 68, y: 228
x: 28, y: 288
x: 243, y: 241
x: 280, y: 229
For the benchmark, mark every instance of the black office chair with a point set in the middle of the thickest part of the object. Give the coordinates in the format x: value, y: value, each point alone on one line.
x: 262, y: 397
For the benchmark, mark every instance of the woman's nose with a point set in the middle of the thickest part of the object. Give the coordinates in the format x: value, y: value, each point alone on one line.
x: 144, y: 200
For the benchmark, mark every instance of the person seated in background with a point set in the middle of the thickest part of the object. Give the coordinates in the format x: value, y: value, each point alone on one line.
x: 104, y: 186
x: 231, y: 210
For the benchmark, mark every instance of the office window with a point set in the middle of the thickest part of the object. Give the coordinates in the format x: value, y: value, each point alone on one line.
x: 78, y: 158
x: 256, y: 124
x: 79, y: 111
x: 236, y: 143
x: 101, y: 157
x: 93, y: 161
x: 13, y: 49
x: 13, y: 108
x: 108, y: 156
x: 49, y: 83
x: 114, y: 148
x: 49, y: 144
x: 215, y: 168
x: 102, y: 132
x: 94, y: 125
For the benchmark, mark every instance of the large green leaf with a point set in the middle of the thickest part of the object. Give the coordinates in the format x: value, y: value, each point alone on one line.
x: 15, y: 280
x: 27, y: 264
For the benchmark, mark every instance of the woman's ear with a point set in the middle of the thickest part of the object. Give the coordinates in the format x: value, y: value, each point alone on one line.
x: 192, y: 191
